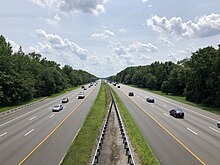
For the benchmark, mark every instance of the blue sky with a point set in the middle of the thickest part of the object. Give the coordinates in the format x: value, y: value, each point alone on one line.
x: 105, y: 36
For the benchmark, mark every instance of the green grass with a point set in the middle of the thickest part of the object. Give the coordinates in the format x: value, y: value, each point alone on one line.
x: 137, y: 140
x: 80, y: 151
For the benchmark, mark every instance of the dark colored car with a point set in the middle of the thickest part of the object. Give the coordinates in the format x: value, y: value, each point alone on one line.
x: 150, y: 100
x: 83, y: 87
x: 218, y: 124
x: 130, y: 94
x: 177, y: 113
x: 57, y: 108
x: 81, y: 95
x: 65, y: 100
x: 118, y: 86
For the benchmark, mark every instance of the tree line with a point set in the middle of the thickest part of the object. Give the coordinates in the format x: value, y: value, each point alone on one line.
x: 27, y: 76
x: 197, y: 78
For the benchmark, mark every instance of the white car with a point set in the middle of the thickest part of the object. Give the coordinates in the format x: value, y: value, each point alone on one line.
x: 81, y: 95
x: 57, y: 108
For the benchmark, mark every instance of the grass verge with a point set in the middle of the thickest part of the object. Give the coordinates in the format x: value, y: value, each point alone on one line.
x: 138, y: 142
x: 80, y: 151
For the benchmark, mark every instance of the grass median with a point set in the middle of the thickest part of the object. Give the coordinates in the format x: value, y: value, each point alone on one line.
x: 146, y: 157
x: 80, y: 151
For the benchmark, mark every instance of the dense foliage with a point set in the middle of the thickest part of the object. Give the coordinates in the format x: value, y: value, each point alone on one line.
x: 196, y: 78
x: 27, y: 76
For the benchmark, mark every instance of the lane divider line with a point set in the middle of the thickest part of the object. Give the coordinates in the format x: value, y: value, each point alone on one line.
x: 32, y: 118
x: 51, y: 116
x: 29, y: 112
x: 175, y: 138
x: 214, y: 130
x: 29, y: 132
x: 3, y: 134
x: 53, y: 131
x: 192, y: 131
x: 166, y: 114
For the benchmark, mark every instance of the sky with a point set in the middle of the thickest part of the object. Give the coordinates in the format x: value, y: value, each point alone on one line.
x: 104, y: 37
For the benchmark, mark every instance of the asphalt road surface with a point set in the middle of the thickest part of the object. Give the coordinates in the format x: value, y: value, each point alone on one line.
x: 192, y: 140
x: 36, y: 135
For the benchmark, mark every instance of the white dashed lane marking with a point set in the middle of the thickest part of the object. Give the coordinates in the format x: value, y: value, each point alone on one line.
x: 3, y: 134
x: 32, y: 118
x: 29, y: 132
x: 214, y: 130
x: 192, y: 131
x: 52, y: 116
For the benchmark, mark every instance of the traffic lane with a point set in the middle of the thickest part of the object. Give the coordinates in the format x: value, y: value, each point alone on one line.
x: 198, y: 139
x: 197, y: 122
x: 166, y: 149
x: 192, y: 134
x: 55, y: 147
x: 205, y: 114
x: 36, y: 115
x: 12, y: 118
x: 40, y: 128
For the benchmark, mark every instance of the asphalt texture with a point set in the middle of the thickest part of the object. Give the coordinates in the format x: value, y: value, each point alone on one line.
x: 36, y: 135
x: 195, y: 139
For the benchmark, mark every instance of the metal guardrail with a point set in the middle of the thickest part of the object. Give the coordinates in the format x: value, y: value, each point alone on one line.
x: 19, y: 108
x: 123, y: 136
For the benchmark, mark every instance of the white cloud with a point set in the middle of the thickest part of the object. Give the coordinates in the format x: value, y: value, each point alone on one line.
x: 141, y: 47
x: 15, y: 46
x: 60, y: 44
x: 166, y: 41
x: 106, y: 35
x: 203, y: 26
x: 134, y: 53
x: 122, y: 30
x: 53, y: 21
x: 144, y: 1
x: 74, y: 6
x: 94, y: 60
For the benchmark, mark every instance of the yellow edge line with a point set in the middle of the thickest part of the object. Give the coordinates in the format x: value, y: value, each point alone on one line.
x: 167, y: 131
x: 52, y: 131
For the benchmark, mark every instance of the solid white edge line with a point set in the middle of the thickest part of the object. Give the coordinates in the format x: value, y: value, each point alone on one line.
x: 29, y: 132
x: 192, y: 131
x: 51, y: 116
x: 3, y: 134
x: 214, y: 130
x: 32, y: 118
x: 166, y: 114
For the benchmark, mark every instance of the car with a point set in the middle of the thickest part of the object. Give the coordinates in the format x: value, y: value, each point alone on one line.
x: 57, y: 108
x: 83, y: 87
x: 130, y: 94
x: 218, y: 124
x: 81, y: 95
x: 150, y: 100
x: 118, y: 86
x: 65, y: 100
x: 177, y: 113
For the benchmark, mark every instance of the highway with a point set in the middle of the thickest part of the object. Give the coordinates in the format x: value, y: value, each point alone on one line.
x: 36, y: 135
x: 192, y: 140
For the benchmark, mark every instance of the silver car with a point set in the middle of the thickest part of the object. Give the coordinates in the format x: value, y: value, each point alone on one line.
x: 57, y: 108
